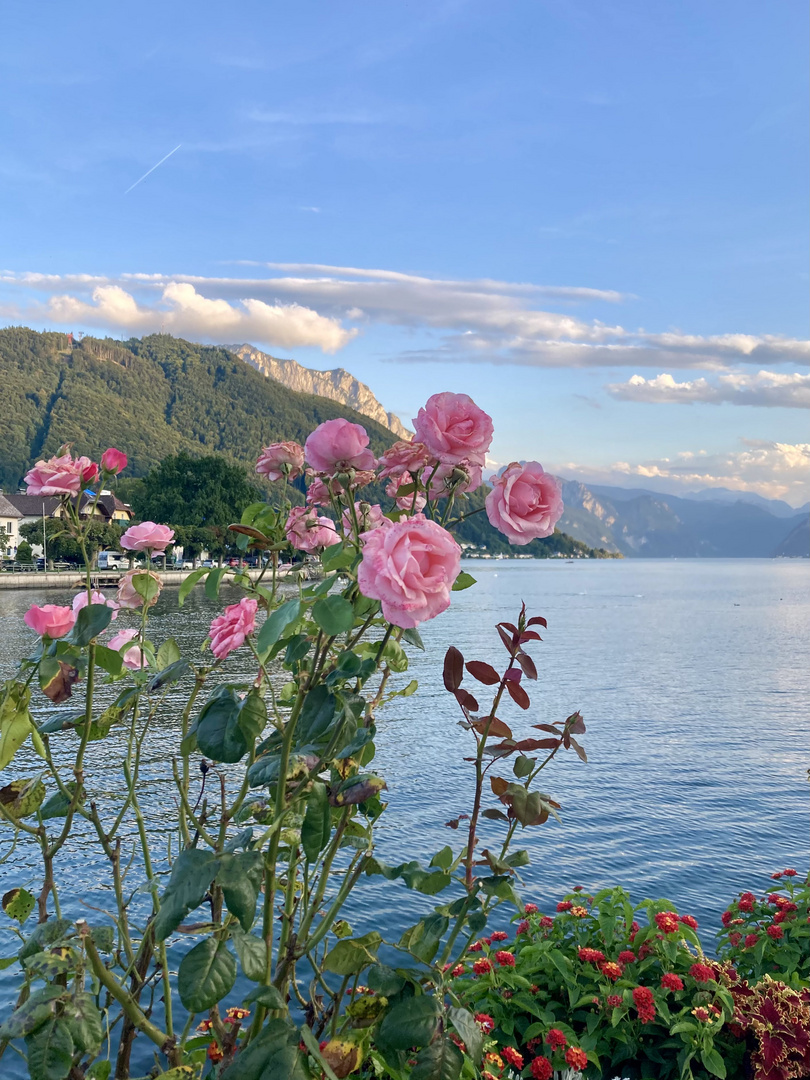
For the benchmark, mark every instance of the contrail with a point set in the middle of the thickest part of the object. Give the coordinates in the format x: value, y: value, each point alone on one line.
x: 153, y: 168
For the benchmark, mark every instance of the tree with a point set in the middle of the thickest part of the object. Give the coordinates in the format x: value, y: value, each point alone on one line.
x: 4, y: 539
x: 204, y: 491
x: 24, y: 553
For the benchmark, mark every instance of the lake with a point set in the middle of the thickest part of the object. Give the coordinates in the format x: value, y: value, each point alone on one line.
x: 692, y: 677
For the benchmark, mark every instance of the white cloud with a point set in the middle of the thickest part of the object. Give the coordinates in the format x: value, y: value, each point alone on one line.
x: 480, y: 321
x: 189, y: 314
x: 773, y: 469
x: 765, y: 388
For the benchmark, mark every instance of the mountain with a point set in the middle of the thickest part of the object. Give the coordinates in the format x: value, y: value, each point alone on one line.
x: 151, y: 398
x: 778, y: 507
x: 647, y: 523
x: 337, y: 385
x: 796, y: 544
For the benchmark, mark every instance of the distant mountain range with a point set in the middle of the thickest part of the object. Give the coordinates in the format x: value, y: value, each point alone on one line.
x: 337, y: 385
x: 635, y: 521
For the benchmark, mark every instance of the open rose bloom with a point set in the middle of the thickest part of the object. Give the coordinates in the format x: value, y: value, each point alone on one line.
x: 148, y: 536
x: 229, y: 630
x: 61, y: 475
x: 50, y: 620
x: 525, y: 502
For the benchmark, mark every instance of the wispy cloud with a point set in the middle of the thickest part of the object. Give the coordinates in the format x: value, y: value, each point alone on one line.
x: 480, y: 321
x: 765, y: 388
x: 773, y: 469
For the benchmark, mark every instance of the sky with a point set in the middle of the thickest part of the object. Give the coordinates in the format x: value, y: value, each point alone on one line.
x: 589, y: 215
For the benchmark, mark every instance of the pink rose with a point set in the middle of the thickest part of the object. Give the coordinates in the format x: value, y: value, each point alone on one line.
x: 525, y: 502
x: 415, y: 501
x: 61, y: 475
x: 133, y: 658
x: 337, y: 446
x: 113, y: 461
x: 368, y: 518
x: 50, y: 620
x: 318, y: 493
x: 452, y: 427
x: 147, y: 537
x: 129, y: 597
x: 80, y: 601
x: 308, y: 532
x: 460, y: 476
x: 403, y: 457
x: 229, y: 630
x: 410, y: 567
x: 281, y: 459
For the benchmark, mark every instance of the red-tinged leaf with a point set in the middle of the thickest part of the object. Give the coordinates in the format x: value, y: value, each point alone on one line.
x: 453, y: 669
x: 580, y: 752
x: 538, y: 620
x: 502, y: 749
x: 248, y: 530
x: 537, y: 744
x: 465, y: 700
x: 498, y: 785
x: 526, y: 662
x: 509, y: 626
x: 575, y: 723
x: 518, y: 694
x: 505, y: 638
x: 529, y: 635
x: 491, y: 725
x: 494, y: 815
x: 548, y: 727
x: 484, y: 673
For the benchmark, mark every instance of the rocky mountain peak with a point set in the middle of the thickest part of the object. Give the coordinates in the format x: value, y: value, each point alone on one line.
x: 337, y: 385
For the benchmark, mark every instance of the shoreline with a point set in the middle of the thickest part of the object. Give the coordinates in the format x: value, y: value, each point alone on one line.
x: 68, y: 579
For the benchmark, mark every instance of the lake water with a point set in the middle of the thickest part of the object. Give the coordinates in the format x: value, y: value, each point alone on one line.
x: 692, y: 677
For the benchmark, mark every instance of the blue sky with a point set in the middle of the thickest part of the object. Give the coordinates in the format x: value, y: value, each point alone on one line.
x: 591, y: 216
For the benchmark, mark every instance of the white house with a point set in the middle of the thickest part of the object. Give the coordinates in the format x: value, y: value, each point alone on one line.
x: 10, y: 521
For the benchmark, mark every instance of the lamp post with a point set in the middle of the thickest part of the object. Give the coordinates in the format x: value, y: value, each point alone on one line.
x: 44, y: 542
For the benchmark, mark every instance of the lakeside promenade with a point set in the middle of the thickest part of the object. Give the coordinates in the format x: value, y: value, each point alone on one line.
x: 70, y: 579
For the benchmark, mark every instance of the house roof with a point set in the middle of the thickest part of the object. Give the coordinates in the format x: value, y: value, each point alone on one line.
x: 31, y: 505
x: 8, y: 509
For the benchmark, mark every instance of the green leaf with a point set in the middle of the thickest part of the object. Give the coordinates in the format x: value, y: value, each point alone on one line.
x: 15, y: 720
x: 252, y: 953
x: 252, y: 716
x: 18, y: 904
x: 219, y: 733
x: 90, y: 622
x: 189, y: 583
x: 471, y: 1034
x: 99, y: 1070
x: 268, y: 996
x: 32, y: 1014
x: 412, y: 1022
x: 317, y: 714
x: 423, y: 939
x: 463, y: 581
x: 192, y: 874
x: 413, y: 637
x: 272, y: 1055
x: 109, y: 660
x: 22, y: 798
x: 442, y: 1060
x: 333, y: 614
x: 50, y: 1049
x: 351, y: 955
x: 213, y: 582
x: 168, y: 653
x: 146, y: 586
x: 84, y: 1023
x: 241, y: 877
x: 277, y: 623
x: 443, y: 858
x: 206, y: 975
x: 713, y: 1062
x: 45, y: 934
x: 171, y: 674
x: 522, y: 766
x: 317, y: 825
x: 337, y: 557
x: 384, y: 980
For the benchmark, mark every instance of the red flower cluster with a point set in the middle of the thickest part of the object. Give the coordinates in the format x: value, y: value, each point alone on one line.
x: 734, y: 939
x: 576, y: 1058
x: 591, y: 956
x: 626, y: 956
x: 671, y: 981
x: 701, y: 973
x: 746, y: 902
x: 614, y: 1001
x: 556, y: 1039
x: 481, y: 967
x: 512, y: 1056
x: 522, y: 927
x: 505, y: 959
x: 485, y: 1021
x: 542, y: 1069
x: 564, y: 905
x: 700, y: 1013
x: 726, y: 918
x: 750, y: 941
x: 690, y: 921
x: 667, y: 922
x: 547, y: 922
x: 775, y: 932
x: 531, y: 909
x: 611, y: 970
x: 498, y: 935
x: 644, y: 1002
x: 476, y: 946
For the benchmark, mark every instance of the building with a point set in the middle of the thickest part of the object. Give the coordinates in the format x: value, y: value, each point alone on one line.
x: 10, y: 521
x: 108, y: 507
